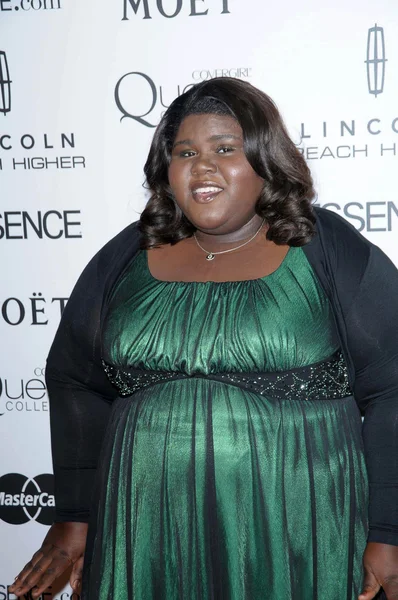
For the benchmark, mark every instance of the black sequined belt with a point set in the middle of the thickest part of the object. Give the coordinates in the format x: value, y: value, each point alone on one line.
x: 324, y: 380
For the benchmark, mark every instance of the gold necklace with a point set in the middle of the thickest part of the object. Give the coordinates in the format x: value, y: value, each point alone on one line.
x: 212, y: 255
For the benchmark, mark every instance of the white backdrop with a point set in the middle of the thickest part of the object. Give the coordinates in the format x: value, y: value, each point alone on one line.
x: 81, y: 86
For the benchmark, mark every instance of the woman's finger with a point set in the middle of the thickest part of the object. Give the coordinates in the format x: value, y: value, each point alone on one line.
x: 29, y: 566
x: 42, y: 569
x: 77, y: 575
x: 24, y: 583
x: 54, y: 570
x: 370, y: 586
x: 38, y: 584
x: 32, y: 571
x: 43, y: 552
x: 368, y: 592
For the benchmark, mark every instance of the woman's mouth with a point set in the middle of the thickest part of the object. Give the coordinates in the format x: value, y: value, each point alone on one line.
x: 205, y: 193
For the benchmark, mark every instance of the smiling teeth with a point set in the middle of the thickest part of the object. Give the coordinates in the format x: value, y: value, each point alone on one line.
x: 207, y: 190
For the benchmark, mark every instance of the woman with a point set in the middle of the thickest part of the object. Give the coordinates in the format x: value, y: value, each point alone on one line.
x: 203, y: 377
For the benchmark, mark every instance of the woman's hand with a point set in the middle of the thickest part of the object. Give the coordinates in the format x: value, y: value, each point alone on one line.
x: 380, y: 563
x: 63, y: 546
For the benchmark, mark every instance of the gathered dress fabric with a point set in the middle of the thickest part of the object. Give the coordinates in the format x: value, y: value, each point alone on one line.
x: 232, y: 466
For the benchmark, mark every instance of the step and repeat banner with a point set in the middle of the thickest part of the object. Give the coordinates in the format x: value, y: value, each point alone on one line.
x: 82, y: 86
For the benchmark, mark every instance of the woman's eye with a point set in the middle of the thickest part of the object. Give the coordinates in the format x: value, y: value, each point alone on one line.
x: 187, y: 153
x: 225, y: 149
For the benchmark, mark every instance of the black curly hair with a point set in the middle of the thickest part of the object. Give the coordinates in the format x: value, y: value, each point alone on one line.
x: 286, y: 199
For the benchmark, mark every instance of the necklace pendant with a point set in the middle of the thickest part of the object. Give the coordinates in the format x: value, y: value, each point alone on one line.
x: 210, y: 256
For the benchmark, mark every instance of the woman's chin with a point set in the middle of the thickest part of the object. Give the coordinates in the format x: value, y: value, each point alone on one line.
x: 208, y: 221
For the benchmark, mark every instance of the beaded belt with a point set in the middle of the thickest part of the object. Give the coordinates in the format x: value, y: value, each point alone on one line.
x: 325, y: 380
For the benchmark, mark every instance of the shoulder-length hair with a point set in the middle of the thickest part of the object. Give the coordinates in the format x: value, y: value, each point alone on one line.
x: 286, y: 198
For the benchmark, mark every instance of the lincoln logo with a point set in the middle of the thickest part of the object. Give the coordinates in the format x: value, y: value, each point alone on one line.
x: 5, y: 84
x: 376, y: 60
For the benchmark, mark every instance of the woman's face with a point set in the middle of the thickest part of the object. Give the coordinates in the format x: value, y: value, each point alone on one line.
x: 210, y: 176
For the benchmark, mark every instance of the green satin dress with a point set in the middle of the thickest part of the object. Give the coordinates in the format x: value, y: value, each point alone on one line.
x: 224, y: 473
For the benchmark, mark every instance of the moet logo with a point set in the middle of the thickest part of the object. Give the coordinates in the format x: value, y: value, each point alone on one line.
x: 194, y: 8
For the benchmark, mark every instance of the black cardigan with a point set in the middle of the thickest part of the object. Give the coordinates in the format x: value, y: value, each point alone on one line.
x: 362, y: 285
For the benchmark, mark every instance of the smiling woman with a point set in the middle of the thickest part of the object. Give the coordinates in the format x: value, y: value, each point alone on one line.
x: 278, y: 176
x: 222, y: 164
x: 207, y: 378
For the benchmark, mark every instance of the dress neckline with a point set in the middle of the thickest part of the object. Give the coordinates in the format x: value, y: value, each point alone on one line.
x: 286, y: 259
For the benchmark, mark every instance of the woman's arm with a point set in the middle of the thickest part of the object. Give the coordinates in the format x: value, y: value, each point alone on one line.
x: 80, y: 397
x: 362, y: 283
x: 372, y: 328
x: 372, y: 334
x: 80, y: 393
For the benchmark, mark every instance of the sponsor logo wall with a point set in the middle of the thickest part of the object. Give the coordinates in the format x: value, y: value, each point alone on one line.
x: 82, y: 87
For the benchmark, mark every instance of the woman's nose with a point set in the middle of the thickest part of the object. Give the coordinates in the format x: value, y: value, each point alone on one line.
x: 203, y: 165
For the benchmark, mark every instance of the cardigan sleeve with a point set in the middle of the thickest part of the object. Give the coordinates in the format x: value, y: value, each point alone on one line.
x: 79, y: 391
x: 372, y: 336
